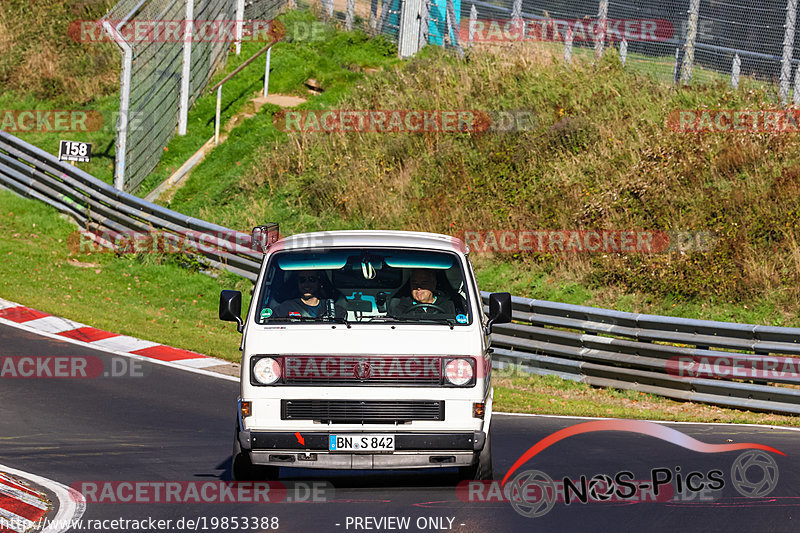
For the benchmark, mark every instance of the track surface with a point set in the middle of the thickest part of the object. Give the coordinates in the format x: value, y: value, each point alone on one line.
x: 172, y: 425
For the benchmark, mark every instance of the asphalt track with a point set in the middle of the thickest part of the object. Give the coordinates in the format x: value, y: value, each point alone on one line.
x: 171, y: 425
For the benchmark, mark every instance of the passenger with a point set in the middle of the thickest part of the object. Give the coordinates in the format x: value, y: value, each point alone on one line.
x: 424, y: 298
x: 312, y: 301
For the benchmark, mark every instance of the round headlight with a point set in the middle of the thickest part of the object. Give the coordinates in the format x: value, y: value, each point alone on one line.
x: 458, y: 372
x: 267, y: 370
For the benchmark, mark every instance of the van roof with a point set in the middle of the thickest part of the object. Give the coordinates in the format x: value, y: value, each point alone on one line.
x: 371, y: 238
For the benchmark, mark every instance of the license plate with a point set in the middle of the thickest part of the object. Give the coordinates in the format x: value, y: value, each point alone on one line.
x: 359, y: 442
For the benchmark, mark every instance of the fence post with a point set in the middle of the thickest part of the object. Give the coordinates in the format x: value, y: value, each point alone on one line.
x: 348, y: 15
x: 568, y: 46
x: 473, y: 23
x: 266, y: 72
x: 186, y: 68
x: 600, y: 29
x: 735, y: 70
x: 675, y: 68
x: 373, y: 15
x: 516, y: 12
x: 454, y: 25
x: 424, y: 24
x: 328, y: 4
x: 788, y: 50
x: 124, y: 105
x: 239, y: 24
x: 623, y: 51
x: 691, y: 37
x: 408, y: 35
x: 796, y: 93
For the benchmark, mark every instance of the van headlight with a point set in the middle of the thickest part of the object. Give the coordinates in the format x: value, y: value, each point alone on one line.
x: 266, y: 370
x: 459, y: 372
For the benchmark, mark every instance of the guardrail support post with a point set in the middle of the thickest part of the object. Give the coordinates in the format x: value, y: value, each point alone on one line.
x: 623, y: 52
x: 788, y: 50
x: 186, y: 67
x: 266, y: 73
x: 796, y: 92
x: 216, y: 116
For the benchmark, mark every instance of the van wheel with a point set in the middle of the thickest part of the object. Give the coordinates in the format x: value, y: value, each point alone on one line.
x: 243, y: 469
x: 482, y: 469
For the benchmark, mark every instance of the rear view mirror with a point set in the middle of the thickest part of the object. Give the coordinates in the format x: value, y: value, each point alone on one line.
x: 230, y: 308
x: 499, y: 309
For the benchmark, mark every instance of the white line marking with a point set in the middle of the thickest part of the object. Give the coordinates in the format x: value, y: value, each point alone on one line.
x: 201, y: 362
x: 71, y: 504
x: 124, y: 343
x: 54, y: 324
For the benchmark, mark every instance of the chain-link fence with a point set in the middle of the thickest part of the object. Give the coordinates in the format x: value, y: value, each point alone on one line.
x: 166, y: 64
x: 679, y: 41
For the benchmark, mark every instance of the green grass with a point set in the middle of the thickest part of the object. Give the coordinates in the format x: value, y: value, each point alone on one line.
x: 147, y: 296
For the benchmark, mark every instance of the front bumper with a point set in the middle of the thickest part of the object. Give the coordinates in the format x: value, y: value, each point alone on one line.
x: 412, y: 450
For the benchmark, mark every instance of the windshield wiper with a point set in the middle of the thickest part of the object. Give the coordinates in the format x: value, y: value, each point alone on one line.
x: 416, y: 319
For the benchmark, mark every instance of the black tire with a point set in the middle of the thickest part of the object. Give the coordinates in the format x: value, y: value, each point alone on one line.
x: 482, y: 469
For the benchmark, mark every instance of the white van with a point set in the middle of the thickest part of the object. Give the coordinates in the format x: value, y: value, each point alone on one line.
x: 364, y: 350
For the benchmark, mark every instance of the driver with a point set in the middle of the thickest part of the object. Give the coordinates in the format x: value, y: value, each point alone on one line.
x: 424, y: 299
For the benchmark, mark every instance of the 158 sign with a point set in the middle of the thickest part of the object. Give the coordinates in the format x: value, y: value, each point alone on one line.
x: 74, y: 151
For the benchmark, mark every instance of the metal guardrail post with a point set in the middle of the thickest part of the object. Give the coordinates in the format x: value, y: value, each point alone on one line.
x: 623, y: 51
x: 691, y: 37
x: 217, y: 115
x: 788, y: 50
x: 266, y: 72
x: 186, y: 67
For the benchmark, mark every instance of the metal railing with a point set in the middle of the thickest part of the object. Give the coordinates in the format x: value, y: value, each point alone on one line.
x: 596, y: 346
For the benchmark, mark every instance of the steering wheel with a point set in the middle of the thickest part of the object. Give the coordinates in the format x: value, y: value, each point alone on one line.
x: 416, y: 308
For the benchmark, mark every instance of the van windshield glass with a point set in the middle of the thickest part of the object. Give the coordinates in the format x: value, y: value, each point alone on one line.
x: 365, y: 286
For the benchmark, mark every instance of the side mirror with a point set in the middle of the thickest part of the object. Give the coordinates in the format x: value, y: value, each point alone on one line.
x: 230, y: 308
x: 499, y: 309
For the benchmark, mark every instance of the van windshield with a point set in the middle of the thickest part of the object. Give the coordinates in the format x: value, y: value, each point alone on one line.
x: 366, y: 286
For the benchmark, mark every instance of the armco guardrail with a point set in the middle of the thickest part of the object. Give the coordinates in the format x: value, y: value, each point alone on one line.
x: 29, y: 171
x: 596, y: 346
